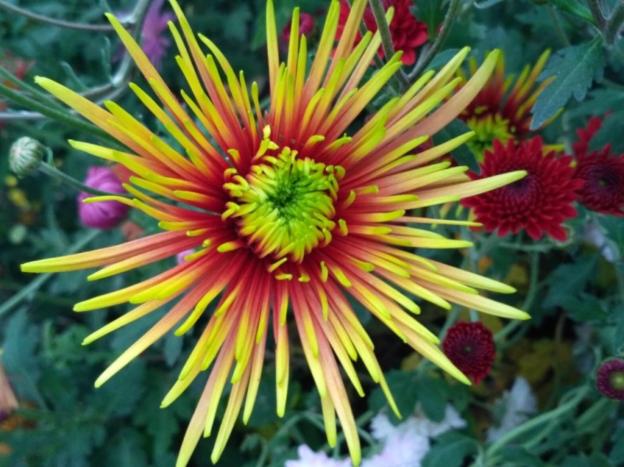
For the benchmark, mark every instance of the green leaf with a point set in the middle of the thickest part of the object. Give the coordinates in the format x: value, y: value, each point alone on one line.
x: 173, y: 349
x: 517, y: 456
x: 127, y: 450
x: 575, y: 8
x: 618, y: 330
x: 574, y: 69
x: 450, y: 449
x: 403, y: 389
x: 568, y: 280
x: 617, y: 451
x: 432, y: 395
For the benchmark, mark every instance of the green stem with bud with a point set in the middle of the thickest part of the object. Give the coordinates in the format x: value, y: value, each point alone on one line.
x: 53, y: 172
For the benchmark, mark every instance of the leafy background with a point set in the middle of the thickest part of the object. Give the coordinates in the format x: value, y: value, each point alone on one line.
x: 574, y: 293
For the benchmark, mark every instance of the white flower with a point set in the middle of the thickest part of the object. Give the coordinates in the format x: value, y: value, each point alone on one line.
x: 406, y: 444
x: 595, y: 235
x: 519, y: 404
x: 309, y: 458
x: 405, y: 448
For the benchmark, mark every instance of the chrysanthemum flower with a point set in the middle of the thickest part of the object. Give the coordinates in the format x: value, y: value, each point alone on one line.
x: 470, y: 346
x: 601, y: 171
x: 610, y: 378
x: 537, y: 204
x: 293, y: 211
x: 408, y: 34
x: 501, y: 111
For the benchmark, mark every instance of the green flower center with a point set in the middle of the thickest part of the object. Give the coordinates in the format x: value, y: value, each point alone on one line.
x: 285, y: 204
x: 487, y: 128
x: 617, y: 380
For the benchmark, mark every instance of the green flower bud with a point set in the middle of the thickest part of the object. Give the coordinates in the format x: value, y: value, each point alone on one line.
x: 25, y: 156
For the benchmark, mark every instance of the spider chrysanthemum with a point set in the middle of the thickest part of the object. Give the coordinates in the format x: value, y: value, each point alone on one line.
x: 293, y: 212
x: 502, y: 109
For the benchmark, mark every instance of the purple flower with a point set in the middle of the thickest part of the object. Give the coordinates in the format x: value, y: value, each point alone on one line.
x: 153, y: 42
x: 610, y: 379
x: 104, y: 214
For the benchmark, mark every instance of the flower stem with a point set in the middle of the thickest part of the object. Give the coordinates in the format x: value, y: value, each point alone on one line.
x: 596, y: 10
x: 56, y: 22
x: 37, y: 283
x: 53, y: 172
x: 565, y: 40
x: 614, y: 24
x: 447, y: 23
x: 107, y: 91
x: 46, y: 111
x: 386, y: 37
x: 536, y: 422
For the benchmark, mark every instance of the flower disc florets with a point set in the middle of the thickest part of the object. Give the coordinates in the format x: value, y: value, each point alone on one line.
x: 285, y: 204
x: 488, y: 128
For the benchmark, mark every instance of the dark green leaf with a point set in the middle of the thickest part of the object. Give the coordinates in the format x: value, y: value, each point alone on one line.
x: 450, y: 449
x: 574, y: 69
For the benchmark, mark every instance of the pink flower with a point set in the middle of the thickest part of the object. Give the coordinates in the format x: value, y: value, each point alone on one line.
x: 104, y: 214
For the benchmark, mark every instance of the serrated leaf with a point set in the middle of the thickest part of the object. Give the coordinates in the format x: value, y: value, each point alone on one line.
x: 574, y: 69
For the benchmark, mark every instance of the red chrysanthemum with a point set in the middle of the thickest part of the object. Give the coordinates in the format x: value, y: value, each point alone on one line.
x: 470, y: 346
x: 408, y: 34
x: 306, y: 26
x: 610, y: 379
x: 502, y: 110
x: 538, y: 203
x: 601, y: 171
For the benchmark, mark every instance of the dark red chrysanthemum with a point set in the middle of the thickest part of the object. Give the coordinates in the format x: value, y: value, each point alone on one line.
x: 601, y: 171
x: 603, y: 177
x: 470, y: 346
x: 538, y: 203
x: 610, y: 379
x: 306, y: 26
x: 408, y: 34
